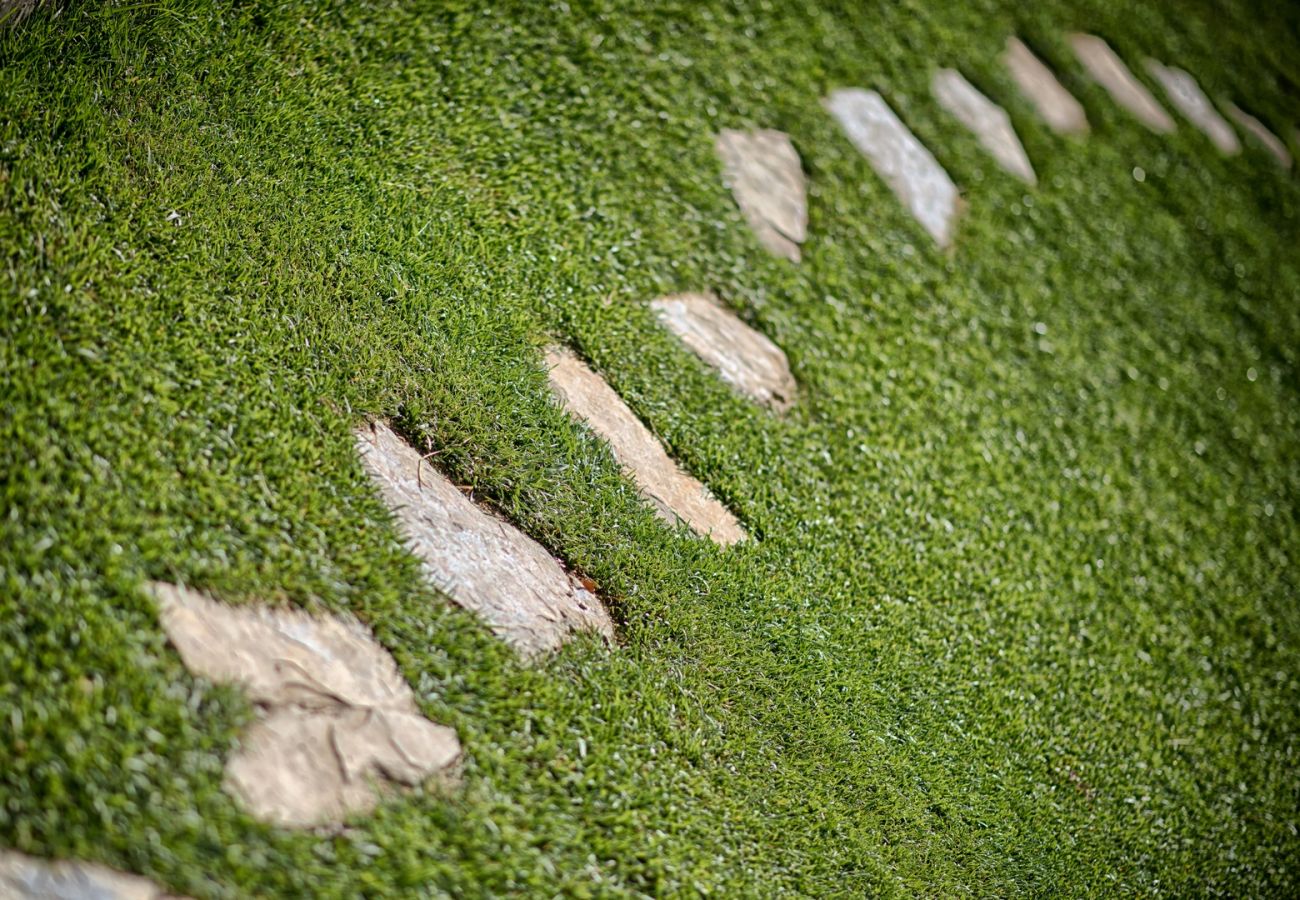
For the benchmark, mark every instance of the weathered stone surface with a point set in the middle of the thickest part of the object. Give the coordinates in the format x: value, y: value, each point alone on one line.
x: 763, y: 171
x: 338, y: 718
x: 480, y: 560
x: 899, y: 158
x: 1054, y: 104
x: 1271, y: 141
x: 987, y: 121
x: 1188, y: 98
x: 746, y: 359
x: 25, y: 877
x: 673, y: 493
x: 1108, y: 70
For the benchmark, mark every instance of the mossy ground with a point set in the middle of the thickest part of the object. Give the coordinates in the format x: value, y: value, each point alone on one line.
x: 1019, y: 617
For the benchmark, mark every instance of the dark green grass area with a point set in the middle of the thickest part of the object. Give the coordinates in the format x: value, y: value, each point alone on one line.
x: 1019, y: 616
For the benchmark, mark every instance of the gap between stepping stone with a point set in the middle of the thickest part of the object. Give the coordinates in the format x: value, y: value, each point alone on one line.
x: 674, y: 494
x: 987, y: 121
x: 745, y: 359
x: 484, y: 563
x: 1271, y: 141
x: 763, y: 171
x: 1188, y: 98
x: 899, y: 158
x: 1108, y: 70
x: 338, y: 721
x: 1054, y: 104
x: 23, y: 876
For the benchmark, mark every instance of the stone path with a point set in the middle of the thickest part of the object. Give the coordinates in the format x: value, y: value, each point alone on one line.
x: 1055, y: 105
x: 1109, y: 71
x: 477, y: 558
x: 675, y: 494
x: 1188, y: 98
x: 745, y: 359
x: 25, y: 877
x: 899, y: 158
x: 987, y: 121
x: 763, y: 171
x: 337, y: 724
x: 1272, y: 143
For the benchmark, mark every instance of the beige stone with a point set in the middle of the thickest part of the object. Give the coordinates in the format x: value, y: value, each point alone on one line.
x: 986, y: 120
x: 478, y: 559
x: 338, y: 721
x: 745, y: 359
x: 899, y: 158
x: 1054, y: 104
x: 25, y: 877
x: 1188, y: 98
x: 1271, y: 141
x: 673, y: 493
x: 1108, y: 70
x: 763, y: 171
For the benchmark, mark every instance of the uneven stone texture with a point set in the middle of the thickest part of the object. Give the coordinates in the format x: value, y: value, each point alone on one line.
x: 673, y: 493
x: 746, y: 359
x: 1188, y: 98
x: 338, y: 720
x: 1108, y: 70
x: 481, y: 561
x: 1054, y: 104
x: 987, y: 121
x: 899, y: 158
x: 1257, y: 128
x: 763, y: 171
x: 25, y: 877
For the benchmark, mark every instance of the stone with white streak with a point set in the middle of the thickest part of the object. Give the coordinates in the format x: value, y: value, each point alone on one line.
x: 987, y: 121
x: 674, y: 494
x: 24, y: 877
x: 1260, y: 131
x: 478, y: 559
x: 1108, y: 70
x: 1188, y: 98
x: 899, y: 158
x: 745, y: 359
x: 1053, y: 103
x: 763, y: 171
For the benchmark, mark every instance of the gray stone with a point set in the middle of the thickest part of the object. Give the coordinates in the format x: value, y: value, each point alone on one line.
x: 481, y: 561
x: 1188, y: 98
x: 899, y: 158
x: 987, y: 121
x: 745, y: 359
x: 1054, y: 104
x: 1271, y: 141
x: 338, y: 721
x: 25, y: 877
x: 763, y: 171
x: 674, y: 494
x: 1108, y: 70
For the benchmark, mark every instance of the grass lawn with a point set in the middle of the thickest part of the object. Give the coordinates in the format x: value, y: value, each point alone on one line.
x: 1018, y: 614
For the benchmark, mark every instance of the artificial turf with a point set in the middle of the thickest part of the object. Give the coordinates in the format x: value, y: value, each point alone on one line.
x: 1018, y: 615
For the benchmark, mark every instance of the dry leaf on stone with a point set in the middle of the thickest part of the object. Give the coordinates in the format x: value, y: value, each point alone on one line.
x: 987, y: 121
x: 1054, y: 104
x: 763, y: 171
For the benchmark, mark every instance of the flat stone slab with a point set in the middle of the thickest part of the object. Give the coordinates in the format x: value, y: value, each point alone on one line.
x: 1260, y: 131
x: 745, y: 359
x: 987, y: 121
x: 1188, y: 98
x: 899, y: 158
x: 1054, y: 104
x: 480, y: 560
x: 23, y: 877
x: 674, y: 494
x: 1108, y: 70
x: 764, y: 173
x: 339, y: 723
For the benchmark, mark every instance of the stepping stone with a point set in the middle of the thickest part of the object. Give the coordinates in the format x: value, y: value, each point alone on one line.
x: 1271, y: 141
x: 480, y: 560
x: 763, y: 171
x: 987, y: 121
x: 899, y: 158
x: 338, y: 722
x: 745, y: 359
x: 1188, y: 98
x: 23, y: 877
x: 674, y: 494
x: 1109, y: 71
x: 1055, y: 105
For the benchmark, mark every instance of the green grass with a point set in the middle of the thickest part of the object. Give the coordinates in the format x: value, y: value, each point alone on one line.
x: 1020, y: 614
